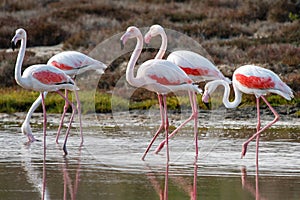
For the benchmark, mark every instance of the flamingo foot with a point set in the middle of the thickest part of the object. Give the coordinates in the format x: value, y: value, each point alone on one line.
x: 244, y: 149
x: 159, y: 148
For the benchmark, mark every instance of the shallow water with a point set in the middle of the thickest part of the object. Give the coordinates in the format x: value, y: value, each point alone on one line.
x: 109, y: 165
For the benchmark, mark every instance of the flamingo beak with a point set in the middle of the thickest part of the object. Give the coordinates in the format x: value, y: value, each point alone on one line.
x: 207, y: 105
x: 124, y: 39
x: 122, y: 44
x: 14, y: 43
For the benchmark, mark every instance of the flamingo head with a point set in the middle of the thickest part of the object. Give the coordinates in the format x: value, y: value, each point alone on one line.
x: 209, y: 88
x: 131, y: 32
x: 153, y: 31
x: 19, y: 35
x: 26, y: 130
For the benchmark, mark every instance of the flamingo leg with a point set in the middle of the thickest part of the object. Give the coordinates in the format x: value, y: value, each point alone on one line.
x: 44, y: 130
x: 244, y: 148
x: 166, y: 126
x: 161, y: 107
x: 161, y: 145
x: 257, y: 129
x: 166, y: 182
x: 62, y: 116
x: 79, y: 115
x: 195, y: 116
x: 70, y: 123
x: 194, y: 191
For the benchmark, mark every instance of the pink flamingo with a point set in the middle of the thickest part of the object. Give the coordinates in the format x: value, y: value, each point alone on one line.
x: 42, y: 78
x: 160, y: 76
x: 197, y: 67
x: 255, y: 80
x: 72, y: 63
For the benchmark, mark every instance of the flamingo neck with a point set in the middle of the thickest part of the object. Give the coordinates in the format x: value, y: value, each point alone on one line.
x: 163, y: 47
x: 132, y: 62
x: 18, y: 66
x: 237, y: 94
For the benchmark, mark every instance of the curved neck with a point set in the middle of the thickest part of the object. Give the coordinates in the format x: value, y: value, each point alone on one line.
x: 237, y: 96
x: 19, y: 62
x: 237, y: 93
x: 132, y: 62
x: 163, y: 47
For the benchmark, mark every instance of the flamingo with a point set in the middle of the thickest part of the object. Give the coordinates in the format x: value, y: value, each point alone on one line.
x: 251, y: 79
x: 197, y: 67
x: 160, y: 76
x: 72, y: 63
x: 42, y: 78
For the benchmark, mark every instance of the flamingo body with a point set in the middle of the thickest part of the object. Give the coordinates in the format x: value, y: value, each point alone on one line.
x: 42, y: 78
x: 251, y: 79
x: 73, y: 63
x: 46, y: 78
x: 160, y: 76
x: 196, y: 66
x: 163, y: 81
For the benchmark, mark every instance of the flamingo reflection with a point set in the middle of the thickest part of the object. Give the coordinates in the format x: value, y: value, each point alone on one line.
x: 33, y: 174
x: 68, y: 184
x: 249, y: 187
x: 183, y: 183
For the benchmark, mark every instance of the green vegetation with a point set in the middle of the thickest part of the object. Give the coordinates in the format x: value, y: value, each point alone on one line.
x: 20, y: 100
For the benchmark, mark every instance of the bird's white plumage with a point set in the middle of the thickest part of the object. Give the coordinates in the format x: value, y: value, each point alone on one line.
x: 59, y: 79
x: 200, y: 68
x: 162, y: 76
x: 197, y: 67
x: 261, y: 81
x: 73, y: 63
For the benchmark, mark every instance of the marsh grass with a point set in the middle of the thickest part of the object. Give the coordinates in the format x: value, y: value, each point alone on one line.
x: 20, y: 100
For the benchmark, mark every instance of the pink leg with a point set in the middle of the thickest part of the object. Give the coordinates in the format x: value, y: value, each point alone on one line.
x: 257, y: 129
x: 161, y: 145
x: 70, y: 123
x: 79, y: 115
x: 194, y: 191
x: 160, y: 127
x: 166, y: 189
x: 44, y: 161
x: 62, y: 117
x: 166, y: 126
x: 244, y: 149
x: 195, y: 115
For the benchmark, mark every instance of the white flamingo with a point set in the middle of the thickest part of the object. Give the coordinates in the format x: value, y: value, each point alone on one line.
x: 197, y: 67
x: 160, y: 76
x: 72, y: 63
x: 251, y: 79
x: 42, y: 78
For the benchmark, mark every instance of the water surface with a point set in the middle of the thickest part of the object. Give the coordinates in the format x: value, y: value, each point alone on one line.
x: 109, y: 165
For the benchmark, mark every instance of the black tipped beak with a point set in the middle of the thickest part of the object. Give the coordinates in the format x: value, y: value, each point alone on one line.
x: 207, y: 105
x: 122, y: 45
x: 13, y: 46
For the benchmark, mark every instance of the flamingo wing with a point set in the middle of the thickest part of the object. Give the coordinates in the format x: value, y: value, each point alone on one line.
x: 196, y: 66
x: 162, y: 72
x: 73, y: 62
x: 47, y: 75
x: 261, y: 79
